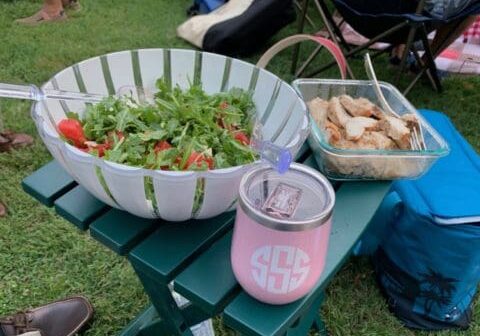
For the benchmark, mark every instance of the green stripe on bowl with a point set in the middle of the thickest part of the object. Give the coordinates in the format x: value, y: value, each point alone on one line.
x: 137, y: 76
x: 253, y: 79
x: 271, y: 103
x: 197, y: 72
x: 167, y: 67
x: 103, y: 183
x: 49, y: 114
x: 79, y: 78
x: 107, y: 75
x: 294, y: 134
x: 226, y: 74
x: 284, y: 122
x: 230, y: 207
x: 150, y: 194
x: 199, y: 196
x: 62, y: 102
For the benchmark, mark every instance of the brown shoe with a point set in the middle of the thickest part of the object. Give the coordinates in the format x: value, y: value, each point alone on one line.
x: 41, y: 17
x: 60, y: 318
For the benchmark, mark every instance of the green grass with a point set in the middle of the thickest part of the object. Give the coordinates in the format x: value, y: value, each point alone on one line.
x: 44, y: 258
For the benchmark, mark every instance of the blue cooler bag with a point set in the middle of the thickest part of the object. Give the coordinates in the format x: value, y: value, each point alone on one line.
x: 204, y: 6
x: 428, y: 260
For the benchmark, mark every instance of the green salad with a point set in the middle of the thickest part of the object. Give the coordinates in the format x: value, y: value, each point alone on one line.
x: 180, y: 130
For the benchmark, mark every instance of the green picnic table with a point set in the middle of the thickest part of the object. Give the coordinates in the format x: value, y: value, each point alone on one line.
x: 195, y: 257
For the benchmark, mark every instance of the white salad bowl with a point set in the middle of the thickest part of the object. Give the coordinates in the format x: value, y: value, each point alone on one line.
x: 172, y: 196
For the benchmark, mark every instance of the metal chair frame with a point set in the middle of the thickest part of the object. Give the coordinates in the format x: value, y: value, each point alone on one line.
x: 417, y: 28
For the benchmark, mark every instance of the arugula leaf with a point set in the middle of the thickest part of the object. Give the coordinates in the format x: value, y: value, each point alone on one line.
x: 186, y: 120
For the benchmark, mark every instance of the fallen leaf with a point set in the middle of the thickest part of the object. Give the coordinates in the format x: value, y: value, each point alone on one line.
x: 4, y: 144
x: 20, y: 139
x: 3, y: 210
x: 9, y: 140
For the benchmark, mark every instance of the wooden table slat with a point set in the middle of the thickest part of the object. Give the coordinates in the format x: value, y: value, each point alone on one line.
x: 356, y: 203
x: 79, y: 207
x: 121, y: 231
x: 48, y: 183
x: 209, y: 280
x: 174, y: 245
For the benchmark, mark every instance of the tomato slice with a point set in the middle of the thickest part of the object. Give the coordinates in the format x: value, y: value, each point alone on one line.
x: 197, y: 159
x: 223, y: 105
x: 210, y: 162
x: 110, y: 139
x: 161, y: 146
x: 72, y: 130
x: 100, y: 148
x: 242, y: 138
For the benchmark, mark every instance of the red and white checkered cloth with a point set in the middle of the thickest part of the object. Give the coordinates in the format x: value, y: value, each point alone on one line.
x: 473, y: 31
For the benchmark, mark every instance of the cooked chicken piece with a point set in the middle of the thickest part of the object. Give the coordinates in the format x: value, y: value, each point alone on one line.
x: 369, y: 140
x: 336, y: 113
x: 376, y: 140
x: 397, y: 130
x: 410, y: 120
x: 357, y: 125
x: 333, y: 132
x: 318, y: 110
x: 360, y: 107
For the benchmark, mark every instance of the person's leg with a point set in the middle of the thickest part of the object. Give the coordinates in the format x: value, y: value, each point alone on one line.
x: 53, y: 7
x: 52, y: 10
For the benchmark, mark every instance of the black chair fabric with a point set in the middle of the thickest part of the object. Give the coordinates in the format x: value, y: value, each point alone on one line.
x: 372, y: 17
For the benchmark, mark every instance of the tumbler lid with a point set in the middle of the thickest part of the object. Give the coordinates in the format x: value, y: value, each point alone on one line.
x: 298, y: 200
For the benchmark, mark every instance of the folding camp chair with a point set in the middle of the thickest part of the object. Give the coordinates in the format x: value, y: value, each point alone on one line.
x: 381, y: 24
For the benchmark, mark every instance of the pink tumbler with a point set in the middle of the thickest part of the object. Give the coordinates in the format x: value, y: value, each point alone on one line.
x: 281, y: 232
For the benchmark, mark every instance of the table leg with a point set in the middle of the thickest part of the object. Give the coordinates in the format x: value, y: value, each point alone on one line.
x: 148, y: 323
x: 156, y: 327
x: 163, y: 301
x: 311, y: 320
x: 145, y: 318
x: 320, y: 326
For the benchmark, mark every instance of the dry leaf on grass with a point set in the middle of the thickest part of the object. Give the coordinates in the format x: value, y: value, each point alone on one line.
x: 3, y: 210
x: 10, y: 140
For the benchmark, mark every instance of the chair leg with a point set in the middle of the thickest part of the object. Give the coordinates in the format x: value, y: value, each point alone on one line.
x: 301, y: 26
x: 360, y: 48
x: 332, y: 28
x: 413, y: 82
x: 307, y: 17
x: 334, y: 32
x: 308, y: 61
x: 422, y: 65
x: 430, y: 61
x: 408, y: 46
x: 320, y: 326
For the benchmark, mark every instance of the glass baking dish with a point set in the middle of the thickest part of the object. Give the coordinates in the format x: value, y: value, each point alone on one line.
x: 354, y: 164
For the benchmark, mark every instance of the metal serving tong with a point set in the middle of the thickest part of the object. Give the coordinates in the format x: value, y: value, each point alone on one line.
x: 32, y: 92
